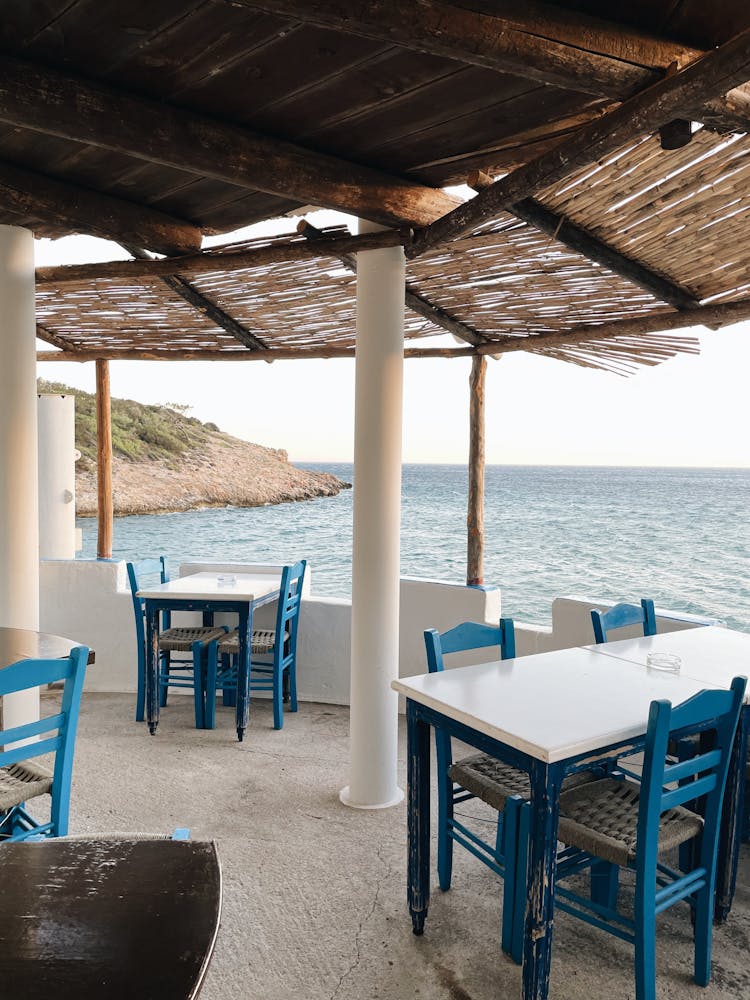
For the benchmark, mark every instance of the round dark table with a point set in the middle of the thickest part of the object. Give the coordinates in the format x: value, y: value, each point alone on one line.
x: 25, y: 644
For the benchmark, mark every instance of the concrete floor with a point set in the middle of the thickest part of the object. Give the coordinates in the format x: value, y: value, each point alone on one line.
x: 314, y: 893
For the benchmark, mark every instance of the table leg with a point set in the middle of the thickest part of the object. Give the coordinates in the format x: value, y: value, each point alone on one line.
x: 418, y: 815
x: 152, y: 667
x: 545, y: 805
x: 730, y: 835
x: 243, y: 671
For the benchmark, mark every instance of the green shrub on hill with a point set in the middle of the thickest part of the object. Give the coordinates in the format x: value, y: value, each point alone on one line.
x: 139, y: 431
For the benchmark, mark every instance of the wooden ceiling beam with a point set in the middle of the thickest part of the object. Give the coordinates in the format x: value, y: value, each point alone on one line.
x: 232, y: 260
x: 47, y: 101
x: 576, y: 238
x: 710, y: 75
x: 28, y: 194
x: 531, y: 40
x: 276, y: 354
x: 191, y: 295
x: 713, y: 316
x: 413, y: 300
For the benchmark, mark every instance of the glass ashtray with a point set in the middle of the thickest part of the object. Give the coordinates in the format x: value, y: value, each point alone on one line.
x: 668, y: 663
x: 226, y: 580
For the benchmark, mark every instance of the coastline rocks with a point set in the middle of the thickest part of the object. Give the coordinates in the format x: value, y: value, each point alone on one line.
x: 224, y: 472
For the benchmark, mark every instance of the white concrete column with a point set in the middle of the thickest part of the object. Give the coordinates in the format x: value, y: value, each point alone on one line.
x: 19, y: 507
x: 377, y: 524
x: 57, y: 477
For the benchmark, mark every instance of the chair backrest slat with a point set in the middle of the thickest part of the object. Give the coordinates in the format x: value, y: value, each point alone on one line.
x: 623, y: 615
x: 287, y: 616
x: 63, y: 724
x: 713, y: 713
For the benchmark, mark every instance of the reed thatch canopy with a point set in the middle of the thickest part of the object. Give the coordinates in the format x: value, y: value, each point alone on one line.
x: 607, y: 146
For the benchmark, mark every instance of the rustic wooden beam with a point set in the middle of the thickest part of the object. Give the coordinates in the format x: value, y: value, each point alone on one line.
x: 641, y: 115
x: 712, y: 316
x: 232, y: 260
x: 212, y: 312
x: 475, y: 515
x: 52, y: 339
x: 45, y: 100
x: 413, y: 300
x: 272, y: 354
x: 105, y: 506
x: 560, y: 228
x: 532, y: 40
x: 583, y: 242
x: 75, y: 208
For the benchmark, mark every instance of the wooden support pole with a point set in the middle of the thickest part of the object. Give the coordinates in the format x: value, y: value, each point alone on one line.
x: 475, y: 516
x: 104, y: 461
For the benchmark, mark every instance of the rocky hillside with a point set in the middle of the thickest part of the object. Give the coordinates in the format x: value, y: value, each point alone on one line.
x: 164, y: 460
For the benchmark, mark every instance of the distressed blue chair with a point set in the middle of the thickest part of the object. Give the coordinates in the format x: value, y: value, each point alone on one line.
x: 480, y: 776
x: 619, y: 822
x: 176, y: 672
x: 277, y: 673
x: 22, y: 777
x: 622, y: 615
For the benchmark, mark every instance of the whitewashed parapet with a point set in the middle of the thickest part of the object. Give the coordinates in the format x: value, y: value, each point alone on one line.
x: 88, y: 600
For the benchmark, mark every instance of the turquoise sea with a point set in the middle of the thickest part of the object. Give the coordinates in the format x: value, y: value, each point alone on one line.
x: 680, y: 536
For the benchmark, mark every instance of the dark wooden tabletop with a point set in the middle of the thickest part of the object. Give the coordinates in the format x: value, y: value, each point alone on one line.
x: 107, y: 918
x: 24, y: 644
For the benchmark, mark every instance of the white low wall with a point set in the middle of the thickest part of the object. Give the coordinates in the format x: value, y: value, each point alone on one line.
x: 89, y: 601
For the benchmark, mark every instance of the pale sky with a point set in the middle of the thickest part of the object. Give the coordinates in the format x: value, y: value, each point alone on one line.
x: 688, y: 411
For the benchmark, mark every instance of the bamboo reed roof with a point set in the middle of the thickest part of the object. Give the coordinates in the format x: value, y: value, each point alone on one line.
x: 683, y: 212
x: 155, y: 124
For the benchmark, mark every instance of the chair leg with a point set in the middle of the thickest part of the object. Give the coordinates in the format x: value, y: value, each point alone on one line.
x: 445, y: 840
x: 703, y: 930
x: 198, y: 685
x: 209, y: 685
x: 278, y: 704
x: 506, y: 851
x: 291, y: 674
x: 605, y: 881
x: 645, y: 953
x: 140, y: 698
x: 229, y: 691
x: 163, y: 679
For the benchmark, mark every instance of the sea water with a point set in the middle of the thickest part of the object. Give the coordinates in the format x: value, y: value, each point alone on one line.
x: 680, y: 536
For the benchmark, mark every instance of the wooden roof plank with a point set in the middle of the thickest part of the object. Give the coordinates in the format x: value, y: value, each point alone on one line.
x: 552, y: 46
x: 44, y: 100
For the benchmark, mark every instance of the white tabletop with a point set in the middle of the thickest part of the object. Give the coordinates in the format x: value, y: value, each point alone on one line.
x: 711, y: 654
x: 238, y: 587
x: 553, y: 705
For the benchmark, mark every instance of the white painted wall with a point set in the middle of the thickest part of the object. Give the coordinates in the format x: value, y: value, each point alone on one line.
x: 89, y: 601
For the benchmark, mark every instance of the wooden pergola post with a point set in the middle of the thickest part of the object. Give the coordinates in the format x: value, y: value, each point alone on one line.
x: 475, y: 516
x: 104, y: 460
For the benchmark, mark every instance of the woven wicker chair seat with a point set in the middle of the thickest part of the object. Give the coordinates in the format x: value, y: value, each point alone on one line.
x: 262, y: 641
x: 494, y: 782
x: 602, y: 819
x: 22, y: 781
x: 180, y: 640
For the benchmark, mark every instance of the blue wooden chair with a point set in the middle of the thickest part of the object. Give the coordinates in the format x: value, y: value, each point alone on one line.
x: 22, y: 777
x: 480, y: 776
x: 278, y: 672
x: 619, y: 822
x: 622, y: 615
x: 174, y: 671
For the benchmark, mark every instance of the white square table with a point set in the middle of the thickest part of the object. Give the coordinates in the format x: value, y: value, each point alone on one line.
x: 550, y: 714
x: 208, y: 592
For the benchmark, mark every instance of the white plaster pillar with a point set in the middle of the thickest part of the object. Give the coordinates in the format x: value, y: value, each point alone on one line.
x: 57, y: 477
x: 377, y: 525
x: 19, y: 506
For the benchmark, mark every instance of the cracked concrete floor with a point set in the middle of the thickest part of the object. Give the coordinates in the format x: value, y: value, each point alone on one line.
x: 314, y: 893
